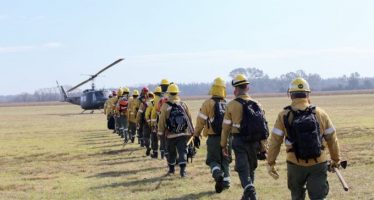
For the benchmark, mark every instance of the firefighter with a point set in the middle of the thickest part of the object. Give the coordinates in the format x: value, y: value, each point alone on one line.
x: 306, y: 131
x: 244, y: 147
x: 175, y: 124
x: 132, y: 115
x: 141, y: 120
x: 210, y: 119
x: 116, y: 113
x: 136, y: 105
x: 108, y: 109
x: 121, y: 108
x: 148, y: 114
x: 160, y: 99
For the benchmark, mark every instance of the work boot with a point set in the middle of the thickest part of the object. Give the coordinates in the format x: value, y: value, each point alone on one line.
x: 249, y: 193
x: 148, y: 152
x: 183, y: 170
x: 171, y: 170
x: 132, y: 139
x: 218, y: 177
x: 226, y: 185
x: 142, y: 143
x: 154, y: 155
x: 162, y: 155
x: 126, y: 140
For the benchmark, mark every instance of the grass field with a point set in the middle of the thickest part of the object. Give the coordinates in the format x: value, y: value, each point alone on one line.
x: 52, y: 152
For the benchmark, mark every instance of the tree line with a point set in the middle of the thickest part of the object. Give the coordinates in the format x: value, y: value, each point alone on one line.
x: 260, y: 83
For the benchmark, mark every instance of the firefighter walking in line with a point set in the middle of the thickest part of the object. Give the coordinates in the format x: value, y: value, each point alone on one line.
x: 160, y: 99
x: 116, y: 114
x: 148, y: 117
x: 307, y: 131
x: 141, y: 120
x: 108, y: 110
x: 244, y: 120
x: 132, y: 115
x: 136, y: 105
x: 121, y: 108
x: 175, y: 124
x: 210, y: 119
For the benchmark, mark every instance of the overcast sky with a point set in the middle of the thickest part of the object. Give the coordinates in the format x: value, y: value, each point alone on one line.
x: 184, y: 41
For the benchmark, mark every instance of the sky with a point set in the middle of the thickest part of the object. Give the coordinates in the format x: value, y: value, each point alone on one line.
x: 184, y: 41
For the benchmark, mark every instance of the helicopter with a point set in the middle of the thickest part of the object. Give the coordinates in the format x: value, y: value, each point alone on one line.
x: 90, y: 99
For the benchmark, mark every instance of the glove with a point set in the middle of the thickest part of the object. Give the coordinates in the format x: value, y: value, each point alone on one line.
x: 333, y: 165
x: 261, y: 155
x: 196, y: 141
x: 226, y: 155
x: 272, y: 171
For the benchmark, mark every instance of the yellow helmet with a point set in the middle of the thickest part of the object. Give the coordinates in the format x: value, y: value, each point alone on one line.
x: 126, y: 90
x: 135, y: 93
x: 173, y: 88
x: 151, y: 96
x: 120, y: 92
x: 240, y: 79
x: 157, y: 89
x: 299, y: 85
x: 219, y: 82
x: 164, y: 82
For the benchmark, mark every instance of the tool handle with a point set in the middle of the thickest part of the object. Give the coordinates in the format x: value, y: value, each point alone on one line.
x: 341, y: 179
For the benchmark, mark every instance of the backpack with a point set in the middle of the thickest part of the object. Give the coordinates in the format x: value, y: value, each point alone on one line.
x: 123, y: 105
x: 219, y: 112
x: 253, y: 127
x: 176, y: 123
x: 303, y: 131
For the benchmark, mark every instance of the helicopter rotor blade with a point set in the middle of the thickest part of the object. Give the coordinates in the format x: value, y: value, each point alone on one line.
x: 94, y: 76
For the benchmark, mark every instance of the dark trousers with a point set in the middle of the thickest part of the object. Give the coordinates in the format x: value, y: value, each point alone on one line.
x: 245, y: 163
x: 313, y: 179
x: 146, y: 135
x: 154, y: 141
x: 214, y: 158
x: 132, y: 129
x: 174, y: 146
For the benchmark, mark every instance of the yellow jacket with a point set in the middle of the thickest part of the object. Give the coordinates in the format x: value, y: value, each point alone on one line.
x: 232, y: 119
x: 106, y: 110
x: 205, y: 117
x: 279, y: 134
x: 154, y: 112
x: 165, y: 112
x: 142, y: 110
x: 148, y: 111
x: 132, y: 111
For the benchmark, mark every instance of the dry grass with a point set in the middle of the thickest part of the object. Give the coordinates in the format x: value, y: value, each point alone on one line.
x: 51, y: 152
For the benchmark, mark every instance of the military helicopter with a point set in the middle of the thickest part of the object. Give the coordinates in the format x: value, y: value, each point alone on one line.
x: 90, y: 99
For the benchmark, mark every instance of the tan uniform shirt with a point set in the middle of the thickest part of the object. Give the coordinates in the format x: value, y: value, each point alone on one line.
x: 148, y: 111
x: 155, y: 113
x: 142, y: 108
x: 132, y: 111
x: 232, y: 120
x: 279, y: 134
x: 205, y: 117
x: 165, y: 112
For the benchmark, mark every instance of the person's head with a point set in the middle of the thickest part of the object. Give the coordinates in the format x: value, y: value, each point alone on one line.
x: 157, y: 91
x: 218, y: 88
x: 114, y: 93
x: 164, y: 85
x: 120, y: 92
x: 135, y: 93
x: 126, y: 91
x: 299, y: 89
x: 145, y: 91
x: 173, y: 90
x: 110, y: 96
x: 241, y: 84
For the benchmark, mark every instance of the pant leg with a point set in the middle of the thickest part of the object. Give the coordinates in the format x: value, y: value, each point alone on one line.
x: 214, y: 155
x: 243, y: 164
x: 225, y: 161
x: 126, y: 129
x: 296, y: 178
x: 172, y: 149
x: 316, y: 183
x: 154, y: 142
x: 140, y: 134
x: 181, y: 144
x: 132, y: 128
x: 146, y: 135
x: 163, y: 146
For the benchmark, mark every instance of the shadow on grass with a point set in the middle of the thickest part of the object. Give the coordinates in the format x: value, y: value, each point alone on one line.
x: 106, y: 146
x: 194, y: 196
x: 130, y: 183
x: 123, y: 173
x: 122, y: 162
